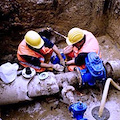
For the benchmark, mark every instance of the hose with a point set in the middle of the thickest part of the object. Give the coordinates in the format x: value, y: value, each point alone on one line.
x: 105, y: 92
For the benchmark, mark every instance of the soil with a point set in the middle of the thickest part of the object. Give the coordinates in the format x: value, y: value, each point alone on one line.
x: 101, y: 17
x: 51, y: 107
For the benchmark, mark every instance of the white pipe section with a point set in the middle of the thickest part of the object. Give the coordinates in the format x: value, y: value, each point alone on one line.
x: 105, y: 92
x: 14, y: 92
x: 22, y: 89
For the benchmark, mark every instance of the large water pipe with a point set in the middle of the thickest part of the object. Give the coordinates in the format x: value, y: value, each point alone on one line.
x: 113, y: 69
x: 22, y: 89
x: 105, y: 92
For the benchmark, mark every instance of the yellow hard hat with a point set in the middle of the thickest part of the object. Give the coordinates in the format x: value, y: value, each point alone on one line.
x: 74, y: 36
x: 33, y: 39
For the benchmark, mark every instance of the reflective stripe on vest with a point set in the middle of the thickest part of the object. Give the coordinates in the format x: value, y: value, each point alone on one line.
x: 37, y: 69
x: 23, y: 49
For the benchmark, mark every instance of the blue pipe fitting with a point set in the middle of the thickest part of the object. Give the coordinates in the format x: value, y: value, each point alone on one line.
x: 55, y: 59
x: 78, y: 110
x: 94, y: 70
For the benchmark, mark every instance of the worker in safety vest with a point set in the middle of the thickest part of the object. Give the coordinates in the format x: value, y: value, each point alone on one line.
x: 80, y: 43
x: 35, y: 51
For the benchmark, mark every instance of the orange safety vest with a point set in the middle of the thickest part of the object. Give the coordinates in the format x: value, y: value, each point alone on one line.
x: 91, y: 45
x: 23, y: 49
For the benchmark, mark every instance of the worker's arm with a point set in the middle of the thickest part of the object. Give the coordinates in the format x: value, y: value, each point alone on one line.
x: 32, y: 60
x: 70, y: 62
x: 49, y: 44
x: 56, y: 50
x: 36, y: 62
x: 46, y: 65
x: 57, y: 67
x: 79, y: 60
x: 68, y: 49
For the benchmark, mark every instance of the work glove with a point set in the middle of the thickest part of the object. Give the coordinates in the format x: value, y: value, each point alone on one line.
x: 62, y: 62
x: 58, y: 67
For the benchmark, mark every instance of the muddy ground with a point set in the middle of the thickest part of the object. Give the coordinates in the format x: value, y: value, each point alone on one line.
x: 101, y: 17
x: 51, y: 107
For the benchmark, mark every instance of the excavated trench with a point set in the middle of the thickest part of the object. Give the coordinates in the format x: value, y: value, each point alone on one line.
x: 101, y: 17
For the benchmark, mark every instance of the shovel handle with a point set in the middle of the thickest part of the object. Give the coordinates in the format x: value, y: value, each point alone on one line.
x: 57, y: 33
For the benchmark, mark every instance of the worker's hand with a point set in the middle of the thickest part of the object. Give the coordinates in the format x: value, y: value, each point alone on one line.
x: 58, y: 67
x: 49, y: 29
x: 62, y: 62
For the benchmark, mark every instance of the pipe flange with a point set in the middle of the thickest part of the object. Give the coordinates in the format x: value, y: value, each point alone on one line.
x: 79, y: 75
x: 30, y: 74
x: 113, y: 69
x: 43, y: 75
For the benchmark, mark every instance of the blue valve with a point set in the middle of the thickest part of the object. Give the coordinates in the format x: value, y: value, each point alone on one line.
x: 78, y: 110
x: 55, y: 59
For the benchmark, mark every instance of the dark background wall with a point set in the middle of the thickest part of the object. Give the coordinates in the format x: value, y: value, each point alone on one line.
x: 18, y: 16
